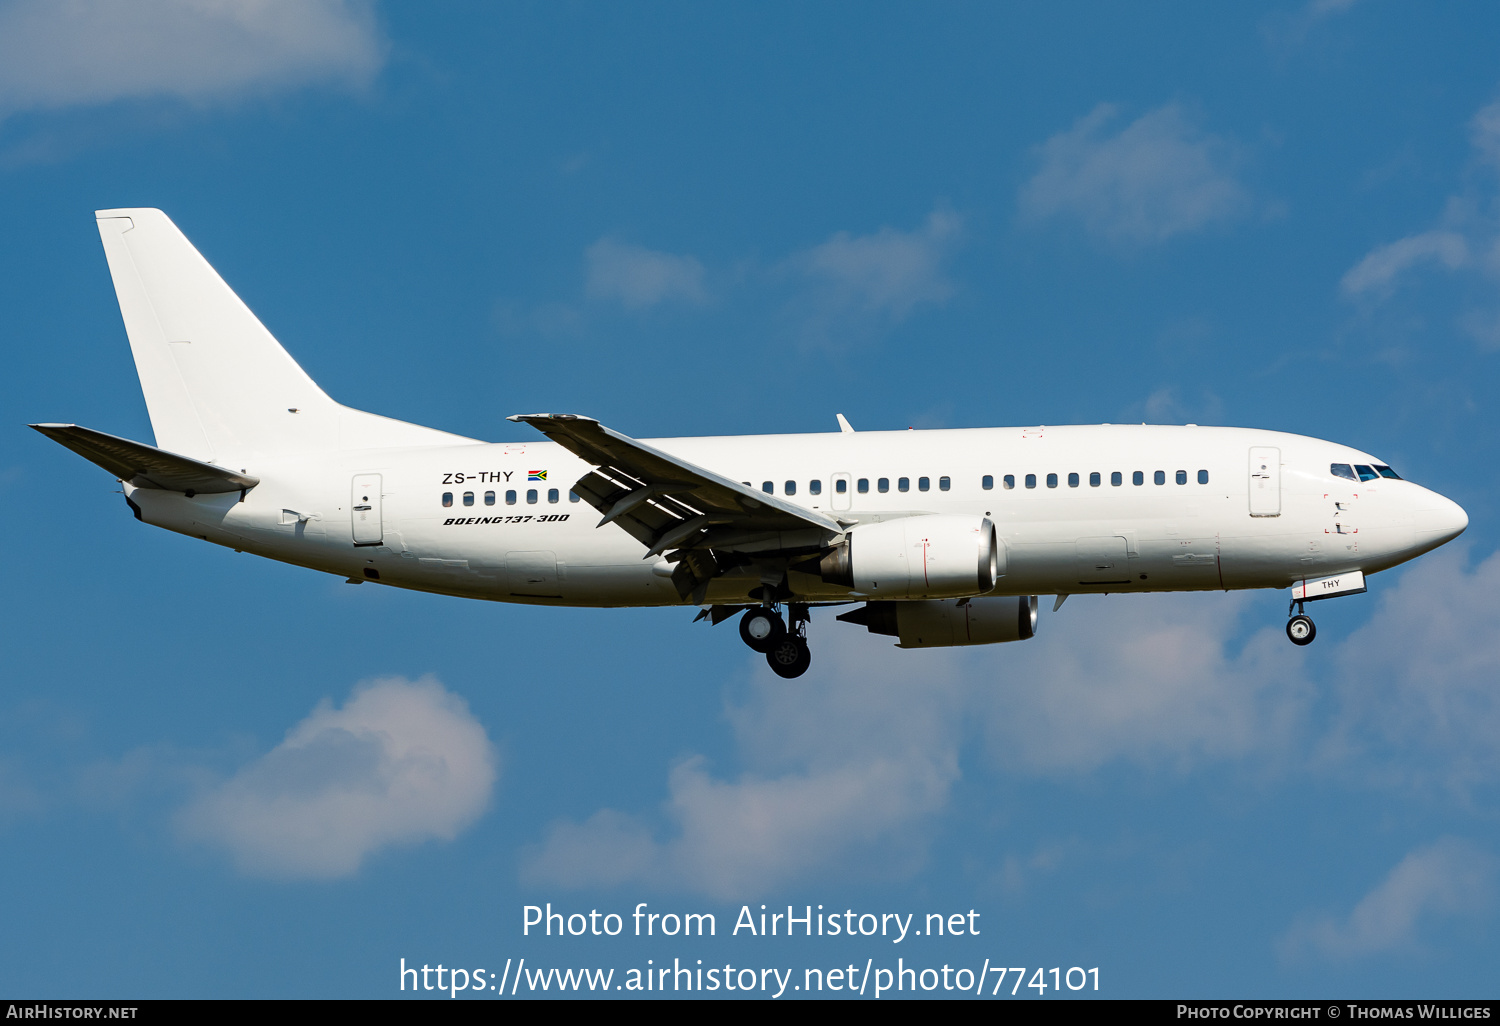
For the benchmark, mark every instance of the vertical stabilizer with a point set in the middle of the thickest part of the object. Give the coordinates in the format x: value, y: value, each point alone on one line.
x: 218, y: 385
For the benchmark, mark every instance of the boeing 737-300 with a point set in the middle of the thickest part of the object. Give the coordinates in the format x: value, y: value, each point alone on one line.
x: 938, y: 538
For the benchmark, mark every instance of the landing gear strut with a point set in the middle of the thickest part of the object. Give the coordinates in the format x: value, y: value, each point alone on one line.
x: 789, y: 656
x: 784, y: 645
x: 1300, y: 628
x: 761, y: 627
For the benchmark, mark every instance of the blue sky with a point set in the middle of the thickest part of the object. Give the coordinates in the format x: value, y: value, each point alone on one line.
x: 690, y: 219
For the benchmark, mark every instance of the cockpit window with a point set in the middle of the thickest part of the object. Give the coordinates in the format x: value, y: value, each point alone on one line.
x: 1365, y: 473
x: 1343, y: 470
x: 1387, y: 472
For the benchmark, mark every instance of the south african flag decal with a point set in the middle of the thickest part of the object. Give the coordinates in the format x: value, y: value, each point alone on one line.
x: 536, y: 475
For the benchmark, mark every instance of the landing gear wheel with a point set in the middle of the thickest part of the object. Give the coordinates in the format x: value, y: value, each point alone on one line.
x: 761, y: 628
x: 789, y: 657
x: 1301, y: 630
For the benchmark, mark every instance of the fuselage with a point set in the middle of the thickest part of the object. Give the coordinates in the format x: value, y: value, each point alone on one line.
x: 1100, y: 508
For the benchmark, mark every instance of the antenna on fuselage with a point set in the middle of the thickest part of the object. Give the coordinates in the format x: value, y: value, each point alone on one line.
x: 844, y: 425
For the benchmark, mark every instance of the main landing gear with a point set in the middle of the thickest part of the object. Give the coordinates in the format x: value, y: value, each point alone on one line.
x: 785, y: 647
x: 1300, y: 628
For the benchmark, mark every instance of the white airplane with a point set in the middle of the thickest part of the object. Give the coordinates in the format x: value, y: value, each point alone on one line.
x: 945, y: 537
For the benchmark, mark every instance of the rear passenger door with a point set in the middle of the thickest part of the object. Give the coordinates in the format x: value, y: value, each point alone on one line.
x: 365, y: 509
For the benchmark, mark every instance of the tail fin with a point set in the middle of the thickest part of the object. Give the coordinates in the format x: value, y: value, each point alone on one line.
x: 218, y: 385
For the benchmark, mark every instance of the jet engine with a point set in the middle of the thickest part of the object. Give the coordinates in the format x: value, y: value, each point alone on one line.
x: 933, y: 556
x: 944, y: 623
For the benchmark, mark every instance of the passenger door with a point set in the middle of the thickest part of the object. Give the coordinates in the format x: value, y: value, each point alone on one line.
x: 1265, y: 482
x: 364, y: 509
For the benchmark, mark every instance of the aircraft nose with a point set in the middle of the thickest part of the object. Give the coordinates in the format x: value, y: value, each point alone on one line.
x: 1442, y: 518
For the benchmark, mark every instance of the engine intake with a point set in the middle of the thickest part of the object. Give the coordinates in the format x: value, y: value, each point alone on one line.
x: 943, y: 624
x: 933, y: 556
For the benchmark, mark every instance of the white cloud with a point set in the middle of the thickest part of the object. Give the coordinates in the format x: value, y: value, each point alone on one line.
x: 400, y: 763
x: 640, y: 278
x: 850, y: 766
x: 1324, y: 8
x: 1146, y: 679
x: 1448, y: 878
x: 843, y: 772
x: 59, y: 53
x: 734, y: 839
x: 1155, y: 178
x: 887, y: 272
x: 1466, y: 238
x: 1418, y: 702
x: 1484, y: 133
x: 1287, y: 29
x: 847, y: 281
x: 1167, y: 406
x: 1384, y: 264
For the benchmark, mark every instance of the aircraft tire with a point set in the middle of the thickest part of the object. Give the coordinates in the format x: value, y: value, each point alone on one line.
x: 789, y: 657
x: 1301, y: 630
x: 760, y: 628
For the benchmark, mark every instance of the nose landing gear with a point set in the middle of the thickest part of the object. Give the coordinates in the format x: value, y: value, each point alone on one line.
x: 785, y: 647
x: 1300, y: 628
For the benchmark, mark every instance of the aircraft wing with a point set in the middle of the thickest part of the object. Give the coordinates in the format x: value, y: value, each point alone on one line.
x: 146, y: 466
x: 671, y: 505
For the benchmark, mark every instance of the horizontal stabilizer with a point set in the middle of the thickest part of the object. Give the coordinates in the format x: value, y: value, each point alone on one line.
x: 146, y: 466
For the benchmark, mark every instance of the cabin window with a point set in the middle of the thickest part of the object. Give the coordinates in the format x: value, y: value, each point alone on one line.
x: 903, y: 484
x: 447, y: 498
x: 1116, y: 479
x: 862, y: 485
x: 883, y: 485
x: 841, y: 486
x: 1387, y: 472
x: 1203, y: 477
x: 1182, y: 477
x: 468, y: 498
x: 510, y: 496
x: 1072, y: 480
x: 1051, y: 480
x: 531, y: 496
x: 1342, y: 470
x: 1009, y: 480
x: 1160, y: 477
x: 1365, y: 473
x: 1095, y: 480
x: 572, y: 496
x: 816, y: 487
x: 944, y: 484
x: 1030, y: 480
x: 924, y: 484
x: 552, y: 495
x: 987, y: 482
x: 768, y: 487
x: 489, y: 498
x: 790, y: 489
x: 1138, y: 478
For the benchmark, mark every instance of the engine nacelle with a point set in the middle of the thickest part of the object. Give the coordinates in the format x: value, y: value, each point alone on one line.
x: 942, y: 623
x: 933, y: 556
